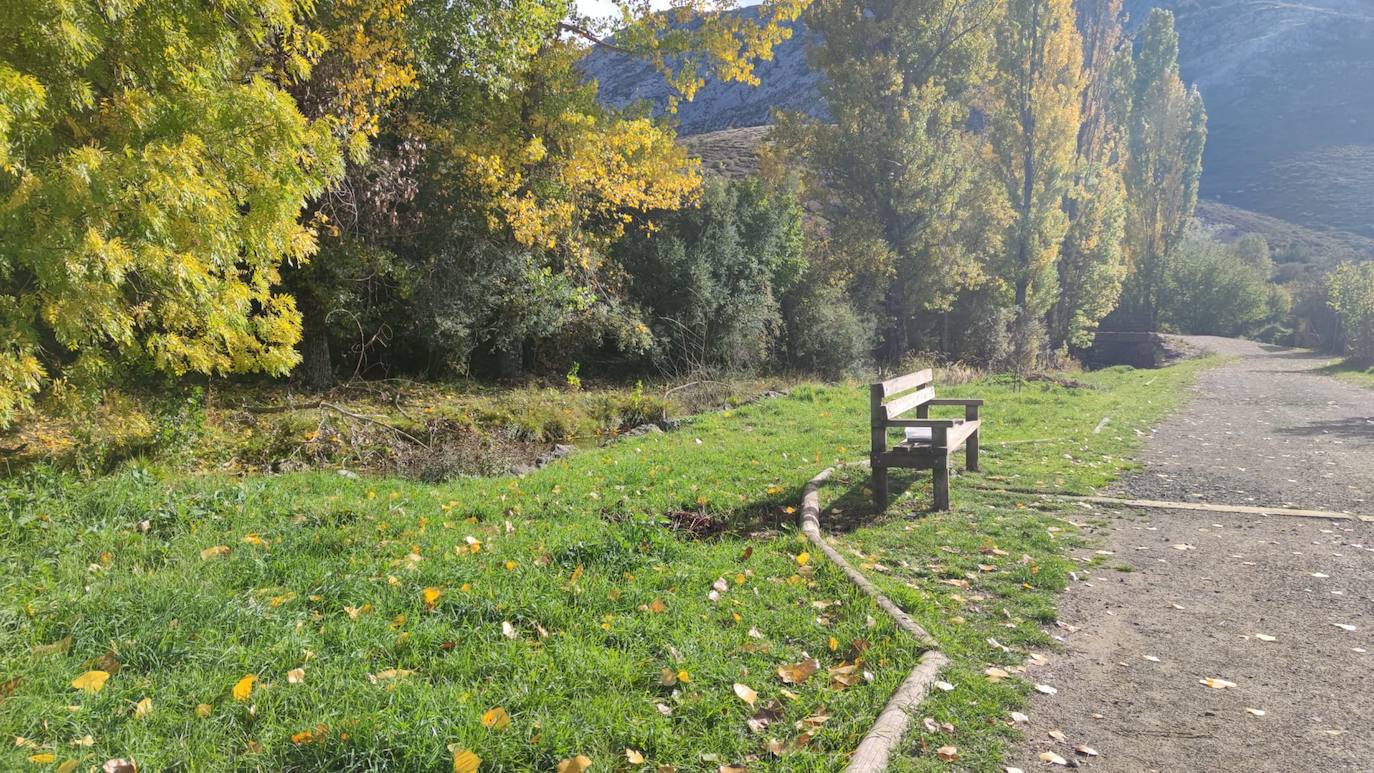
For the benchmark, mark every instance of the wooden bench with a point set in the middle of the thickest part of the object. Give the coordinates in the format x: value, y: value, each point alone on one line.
x: 932, y: 447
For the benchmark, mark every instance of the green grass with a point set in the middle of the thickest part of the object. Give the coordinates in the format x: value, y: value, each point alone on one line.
x: 1346, y: 370
x: 572, y: 561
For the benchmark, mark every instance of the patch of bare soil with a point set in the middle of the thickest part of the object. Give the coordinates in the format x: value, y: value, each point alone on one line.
x: 1219, y: 642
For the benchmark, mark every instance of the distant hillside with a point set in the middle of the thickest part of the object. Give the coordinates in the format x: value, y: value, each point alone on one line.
x: 1289, y: 89
x: 1290, y: 97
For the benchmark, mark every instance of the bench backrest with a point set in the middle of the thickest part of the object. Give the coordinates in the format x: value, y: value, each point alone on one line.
x: 896, y: 396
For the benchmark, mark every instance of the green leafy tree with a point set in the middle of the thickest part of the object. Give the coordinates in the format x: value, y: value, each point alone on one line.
x: 152, y: 174
x: 897, y: 169
x: 1167, y: 131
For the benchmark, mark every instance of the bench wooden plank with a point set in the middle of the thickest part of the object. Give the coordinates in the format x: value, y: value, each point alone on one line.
x: 903, y: 404
x: 956, y: 401
x: 909, y: 381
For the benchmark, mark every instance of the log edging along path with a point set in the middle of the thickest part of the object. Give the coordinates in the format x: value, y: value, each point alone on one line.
x: 886, y: 734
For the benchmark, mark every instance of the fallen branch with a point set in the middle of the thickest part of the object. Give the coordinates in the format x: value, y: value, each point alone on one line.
x: 378, y: 422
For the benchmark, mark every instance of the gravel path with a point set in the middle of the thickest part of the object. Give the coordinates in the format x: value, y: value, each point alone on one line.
x: 1186, y: 596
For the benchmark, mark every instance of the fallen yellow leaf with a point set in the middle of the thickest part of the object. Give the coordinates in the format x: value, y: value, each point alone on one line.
x: 634, y: 757
x: 203, y: 710
x: 212, y: 553
x: 243, y: 690
x: 143, y: 708
x: 431, y: 596
x: 803, y: 558
x: 295, y: 676
x: 42, y: 759
x: 465, y: 761
x: 91, y: 681
x: 948, y: 753
x: 576, y: 764
x: 495, y: 719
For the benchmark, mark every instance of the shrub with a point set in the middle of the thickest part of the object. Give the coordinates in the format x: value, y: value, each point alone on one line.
x: 1215, y: 289
x: 828, y: 336
x: 1350, y: 293
x: 709, y: 280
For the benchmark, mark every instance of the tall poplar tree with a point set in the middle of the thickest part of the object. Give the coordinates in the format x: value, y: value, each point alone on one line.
x: 1166, y: 133
x: 897, y: 169
x: 1092, y: 262
x: 1035, y: 129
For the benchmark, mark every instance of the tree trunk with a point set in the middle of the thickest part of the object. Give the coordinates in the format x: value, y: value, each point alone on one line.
x: 316, y: 370
x: 510, y: 362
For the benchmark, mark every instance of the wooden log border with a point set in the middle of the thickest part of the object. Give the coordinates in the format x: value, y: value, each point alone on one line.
x: 885, y: 736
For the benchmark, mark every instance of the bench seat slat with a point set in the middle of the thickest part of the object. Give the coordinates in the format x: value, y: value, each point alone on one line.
x: 954, y: 437
x: 956, y: 401
x: 905, y: 403
x: 909, y: 381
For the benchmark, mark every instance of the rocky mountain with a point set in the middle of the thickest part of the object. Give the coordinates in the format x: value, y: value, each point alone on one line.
x: 1289, y: 89
x: 786, y: 83
x: 1290, y: 99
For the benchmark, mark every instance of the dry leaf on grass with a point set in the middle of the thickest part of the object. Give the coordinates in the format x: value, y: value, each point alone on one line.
x: 947, y: 753
x: 796, y: 673
x: 576, y: 764
x: 746, y: 693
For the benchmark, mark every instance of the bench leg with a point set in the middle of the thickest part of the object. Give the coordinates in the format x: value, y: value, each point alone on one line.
x: 941, y: 485
x: 880, y: 487
x: 971, y: 453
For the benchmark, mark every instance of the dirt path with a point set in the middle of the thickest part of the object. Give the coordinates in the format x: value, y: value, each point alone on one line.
x: 1142, y: 630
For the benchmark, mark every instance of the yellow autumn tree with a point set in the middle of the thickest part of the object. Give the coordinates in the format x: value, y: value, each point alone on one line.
x: 1035, y: 127
x: 151, y: 181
